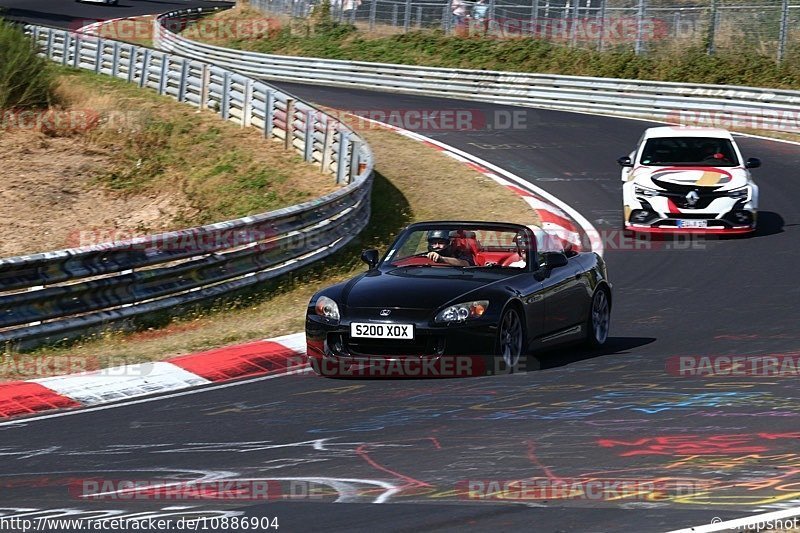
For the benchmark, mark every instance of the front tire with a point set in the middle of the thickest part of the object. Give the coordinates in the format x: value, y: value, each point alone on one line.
x: 510, y: 342
x: 599, y: 319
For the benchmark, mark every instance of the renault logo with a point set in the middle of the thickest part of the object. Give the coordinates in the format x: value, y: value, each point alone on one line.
x: 385, y: 312
x: 692, y: 197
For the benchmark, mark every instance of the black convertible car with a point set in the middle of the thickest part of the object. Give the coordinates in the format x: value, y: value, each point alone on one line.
x: 458, y: 298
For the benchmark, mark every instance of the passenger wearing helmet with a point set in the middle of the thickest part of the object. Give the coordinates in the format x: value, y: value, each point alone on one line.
x: 522, y: 252
x: 440, y: 250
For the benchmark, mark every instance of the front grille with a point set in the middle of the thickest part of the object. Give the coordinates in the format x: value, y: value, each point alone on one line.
x: 691, y: 216
x: 677, y: 193
x: 421, y: 345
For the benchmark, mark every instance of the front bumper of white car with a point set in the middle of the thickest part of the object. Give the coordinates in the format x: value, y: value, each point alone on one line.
x: 697, y: 211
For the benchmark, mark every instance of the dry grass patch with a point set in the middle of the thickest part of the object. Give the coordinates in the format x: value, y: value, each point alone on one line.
x: 115, y: 161
x: 413, y: 182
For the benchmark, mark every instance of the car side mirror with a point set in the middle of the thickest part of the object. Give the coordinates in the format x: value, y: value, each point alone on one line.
x: 752, y: 162
x: 625, y: 161
x: 370, y: 257
x: 556, y: 260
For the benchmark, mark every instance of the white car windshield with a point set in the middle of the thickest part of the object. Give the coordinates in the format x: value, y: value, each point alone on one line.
x: 689, y: 151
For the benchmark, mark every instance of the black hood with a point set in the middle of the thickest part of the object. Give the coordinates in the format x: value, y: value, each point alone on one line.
x: 414, y: 288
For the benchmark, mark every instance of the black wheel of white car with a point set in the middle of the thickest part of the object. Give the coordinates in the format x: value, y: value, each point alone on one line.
x: 510, y: 339
x: 599, y: 319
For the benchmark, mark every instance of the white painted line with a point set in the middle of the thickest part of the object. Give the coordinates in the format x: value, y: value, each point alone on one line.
x: 79, y: 411
x: 741, y: 523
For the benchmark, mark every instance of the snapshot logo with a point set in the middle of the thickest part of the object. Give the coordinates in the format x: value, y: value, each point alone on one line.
x: 51, y: 121
x: 171, y: 489
x: 734, y: 365
x: 620, y: 240
x: 575, y: 489
x: 402, y: 366
x: 195, y: 29
x: 189, y: 241
x: 16, y: 365
x: 786, y: 120
x: 611, y: 30
x: 434, y: 120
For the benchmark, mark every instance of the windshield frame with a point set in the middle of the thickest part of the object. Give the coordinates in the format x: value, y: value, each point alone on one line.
x: 385, y: 263
x: 697, y: 140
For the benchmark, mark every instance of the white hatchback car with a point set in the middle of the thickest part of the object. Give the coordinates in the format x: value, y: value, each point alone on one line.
x: 685, y: 179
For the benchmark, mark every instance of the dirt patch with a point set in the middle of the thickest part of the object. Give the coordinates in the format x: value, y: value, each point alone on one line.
x: 47, y: 206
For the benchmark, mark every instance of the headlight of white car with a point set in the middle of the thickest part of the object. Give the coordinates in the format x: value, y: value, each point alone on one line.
x: 327, y: 308
x: 463, y: 311
x: 740, y: 193
x: 644, y: 191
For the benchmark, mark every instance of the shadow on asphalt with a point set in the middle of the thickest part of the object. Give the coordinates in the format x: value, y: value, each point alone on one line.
x: 572, y: 354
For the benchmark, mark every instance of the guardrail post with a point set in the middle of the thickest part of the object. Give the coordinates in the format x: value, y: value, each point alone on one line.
x: 162, y: 81
x: 65, y: 49
x: 204, y: 79
x: 247, y: 103
x: 309, y: 146
x: 784, y: 32
x: 341, y: 157
x: 76, y: 60
x: 355, y: 156
x: 269, y: 114
x: 115, y: 59
x: 133, y: 53
x: 327, y: 146
x: 226, y: 95
x: 183, y: 81
x: 289, y: 124
x: 98, y: 56
x: 143, y: 79
x: 373, y: 9
x: 407, y: 16
x: 49, y: 44
x: 36, y: 31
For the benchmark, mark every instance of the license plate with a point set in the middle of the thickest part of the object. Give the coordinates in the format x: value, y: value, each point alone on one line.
x: 692, y: 223
x: 382, y: 331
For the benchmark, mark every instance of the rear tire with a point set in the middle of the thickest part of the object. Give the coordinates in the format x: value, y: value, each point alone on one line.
x: 599, y: 320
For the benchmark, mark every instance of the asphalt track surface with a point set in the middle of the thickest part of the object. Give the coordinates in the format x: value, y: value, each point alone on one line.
x: 612, y: 415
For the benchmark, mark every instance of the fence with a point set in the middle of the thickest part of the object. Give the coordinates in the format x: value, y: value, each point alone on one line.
x: 772, y: 27
x: 56, y: 295
x: 753, y: 107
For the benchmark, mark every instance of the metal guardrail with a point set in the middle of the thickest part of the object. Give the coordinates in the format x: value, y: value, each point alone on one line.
x: 766, y: 108
x: 55, y: 295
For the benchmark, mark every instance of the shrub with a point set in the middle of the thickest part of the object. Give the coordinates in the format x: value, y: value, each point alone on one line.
x: 26, y: 80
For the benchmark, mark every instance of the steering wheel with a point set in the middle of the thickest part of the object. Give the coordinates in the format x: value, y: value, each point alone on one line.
x: 416, y: 259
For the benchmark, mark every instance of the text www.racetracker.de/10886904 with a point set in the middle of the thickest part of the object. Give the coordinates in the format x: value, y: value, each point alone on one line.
x: 244, y: 523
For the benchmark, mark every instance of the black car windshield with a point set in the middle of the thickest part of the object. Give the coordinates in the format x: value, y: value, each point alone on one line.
x: 453, y: 247
x: 689, y: 151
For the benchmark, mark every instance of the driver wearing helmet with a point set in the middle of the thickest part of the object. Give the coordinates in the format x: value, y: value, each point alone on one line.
x: 440, y: 250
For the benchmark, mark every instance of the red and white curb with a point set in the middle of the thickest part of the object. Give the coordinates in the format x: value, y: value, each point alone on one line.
x: 279, y: 355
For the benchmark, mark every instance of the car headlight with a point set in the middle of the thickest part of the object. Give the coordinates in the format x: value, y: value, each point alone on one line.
x: 463, y: 311
x: 644, y: 191
x: 327, y: 308
x: 739, y: 194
